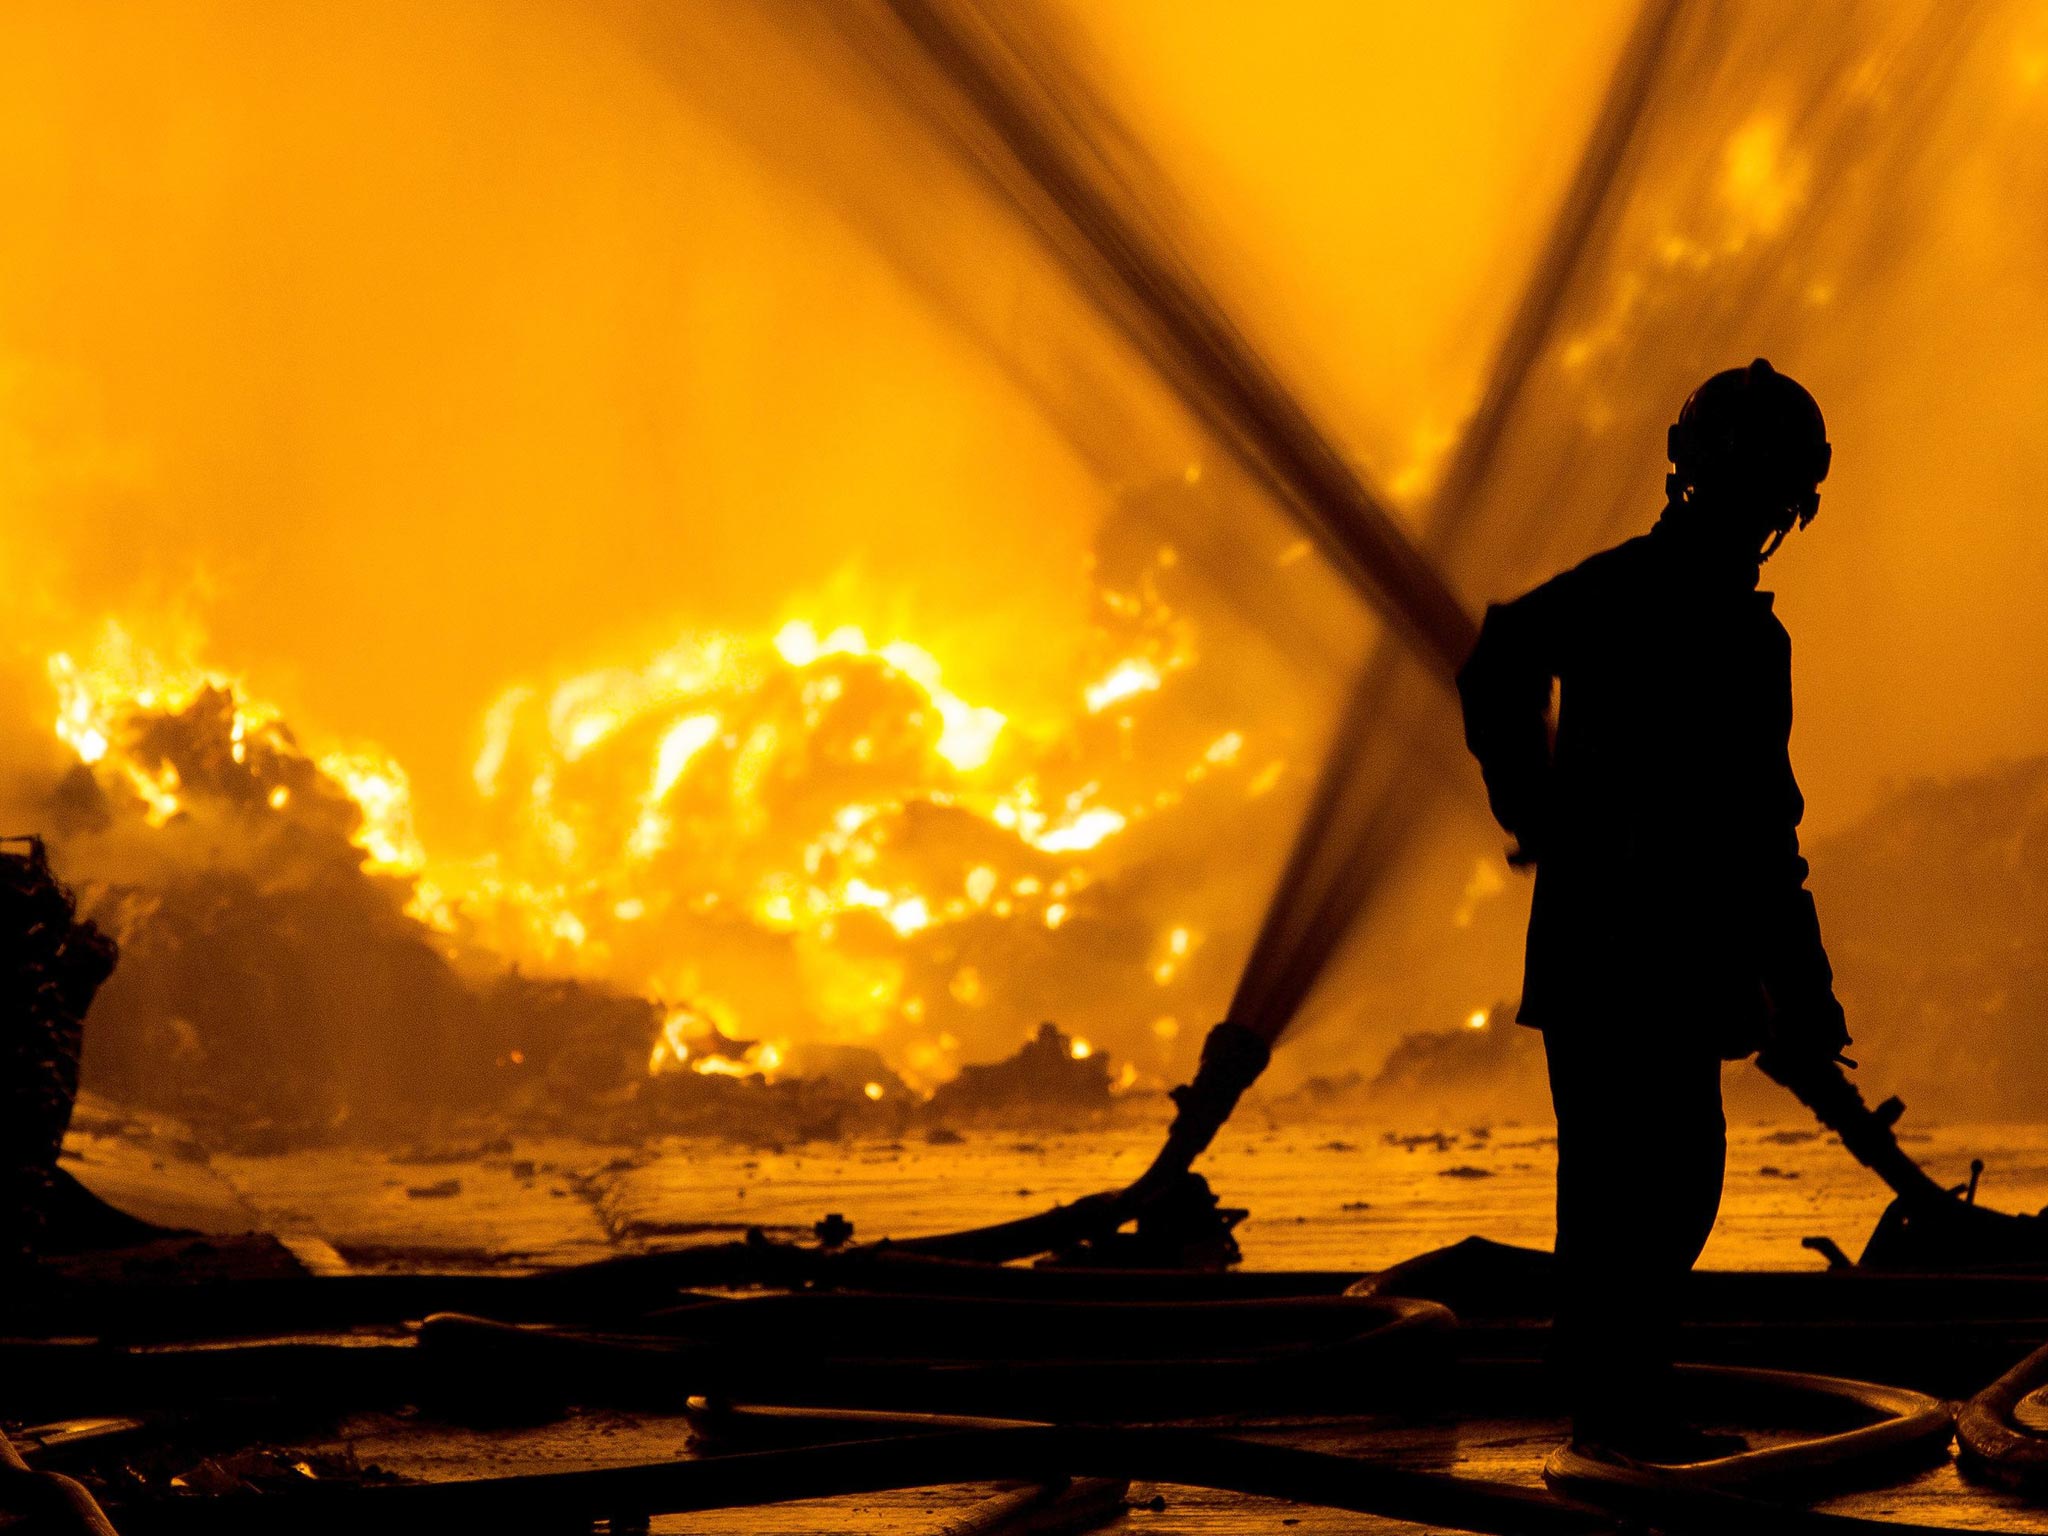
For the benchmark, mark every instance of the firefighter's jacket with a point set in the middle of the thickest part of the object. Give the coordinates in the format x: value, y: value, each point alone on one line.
x: 1661, y: 811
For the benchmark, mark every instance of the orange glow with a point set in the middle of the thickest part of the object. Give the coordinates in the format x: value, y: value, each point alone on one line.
x: 101, y: 695
x: 1128, y: 679
x: 696, y: 540
x: 713, y: 783
x: 968, y: 734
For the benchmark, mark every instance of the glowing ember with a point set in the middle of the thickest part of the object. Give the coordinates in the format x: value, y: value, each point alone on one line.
x: 1084, y: 830
x: 672, y: 1046
x: 969, y: 733
x: 1127, y: 680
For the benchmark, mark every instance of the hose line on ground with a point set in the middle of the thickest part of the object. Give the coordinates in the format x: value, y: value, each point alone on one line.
x: 1192, y: 1459
x: 1176, y: 1457
x: 48, y: 1501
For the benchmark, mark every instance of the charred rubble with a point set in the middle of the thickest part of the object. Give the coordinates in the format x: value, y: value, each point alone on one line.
x: 273, y: 991
x: 277, y: 989
x: 278, y: 986
x: 1050, y: 1075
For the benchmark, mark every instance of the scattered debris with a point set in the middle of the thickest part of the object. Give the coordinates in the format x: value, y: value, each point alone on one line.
x: 1052, y: 1071
x: 1462, y: 1063
x: 835, y: 1231
x: 1436, y: 1139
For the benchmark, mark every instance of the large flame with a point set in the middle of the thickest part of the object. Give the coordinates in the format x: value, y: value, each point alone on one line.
x: 773, y: 834
x: 818, y: 796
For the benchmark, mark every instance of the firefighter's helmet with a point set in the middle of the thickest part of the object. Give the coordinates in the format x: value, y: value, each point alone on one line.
x: 1756, y: 433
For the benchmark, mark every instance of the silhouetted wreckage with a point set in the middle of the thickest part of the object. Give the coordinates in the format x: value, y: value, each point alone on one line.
x: 51, y: 965
x: 1045, y: 1073
x: 275, y: 993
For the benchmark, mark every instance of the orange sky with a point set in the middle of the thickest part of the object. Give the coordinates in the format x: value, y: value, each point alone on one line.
x: 413, y: 351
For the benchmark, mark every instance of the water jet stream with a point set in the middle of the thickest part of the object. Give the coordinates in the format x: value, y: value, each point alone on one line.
x: 1033, y: 133
x: 1038, y: 138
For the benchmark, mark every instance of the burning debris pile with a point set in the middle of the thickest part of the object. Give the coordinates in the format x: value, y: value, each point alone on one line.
x: 813, y: 839
x: 1486, y: 1057
x: 797, y: 876
x: 272, y: 981
x: 1052, y: 1072
x: 1485, y: 1065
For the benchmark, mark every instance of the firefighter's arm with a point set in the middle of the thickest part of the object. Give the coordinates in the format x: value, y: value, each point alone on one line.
x: 1505, y: 689
x: 1806, y: 1018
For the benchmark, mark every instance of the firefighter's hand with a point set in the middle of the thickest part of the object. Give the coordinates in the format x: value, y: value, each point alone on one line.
x: 1526, y: 851
x: 1816, y: 1031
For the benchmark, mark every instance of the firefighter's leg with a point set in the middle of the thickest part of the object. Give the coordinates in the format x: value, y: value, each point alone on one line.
x: 1688, y: 1147
x: 1640, y: 1142
x: 1594, y: 1222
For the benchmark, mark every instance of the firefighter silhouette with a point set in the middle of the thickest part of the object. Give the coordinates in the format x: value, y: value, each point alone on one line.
x: 1670, y: 927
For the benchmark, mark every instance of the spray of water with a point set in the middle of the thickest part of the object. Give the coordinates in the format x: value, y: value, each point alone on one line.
x: 1053, y: 151
x: 1574, y: 389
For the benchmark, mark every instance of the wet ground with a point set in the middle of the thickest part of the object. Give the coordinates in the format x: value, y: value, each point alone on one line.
x: 1324, y: 1196
x: 1332, y: 1195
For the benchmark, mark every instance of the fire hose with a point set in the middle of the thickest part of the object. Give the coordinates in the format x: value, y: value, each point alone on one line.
x: 1070, y: 190
x: 1053, y: 160
x: 1996, y: 1444
x: 1019, y: 1452
x: 1927, y: 1227
x: 48, y: 1500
